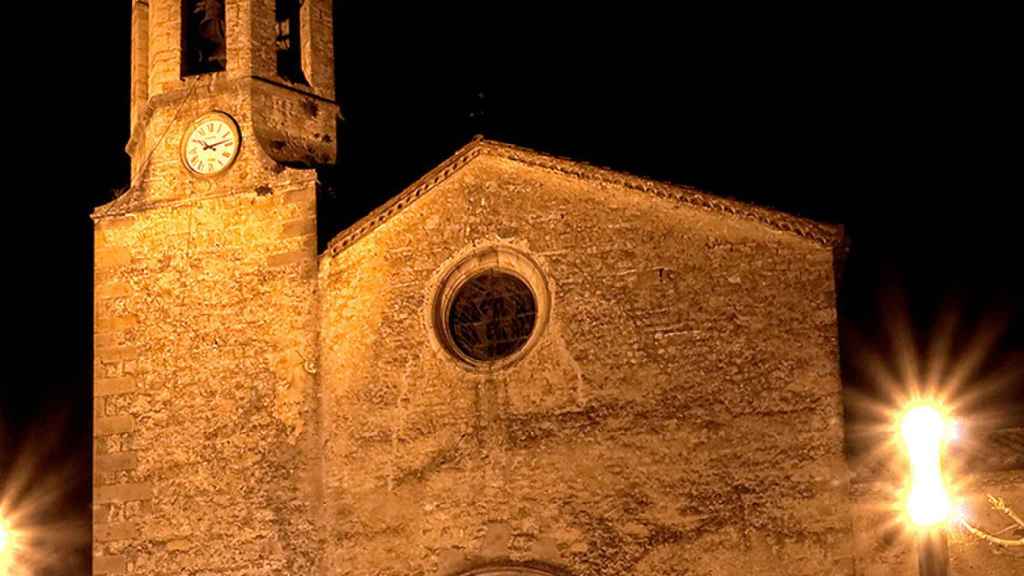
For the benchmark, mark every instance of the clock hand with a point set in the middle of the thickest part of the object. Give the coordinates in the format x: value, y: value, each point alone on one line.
x: 218, y: 144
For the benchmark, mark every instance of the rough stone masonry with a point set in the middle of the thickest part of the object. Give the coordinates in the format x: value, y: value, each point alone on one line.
x: 674, y: 408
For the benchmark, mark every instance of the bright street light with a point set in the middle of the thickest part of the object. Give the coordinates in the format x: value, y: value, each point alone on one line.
x: 6, y: 547
x: 925, y: 431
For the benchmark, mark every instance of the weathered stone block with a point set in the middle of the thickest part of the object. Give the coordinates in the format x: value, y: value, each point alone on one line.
x: 113, y: 386
x: 117, y: 531
x: 116, y: 323
x: 108, y: 564
x: 122, y: 493
x: 115, y: 462
x: 104, y: 426
x: 113, y: 257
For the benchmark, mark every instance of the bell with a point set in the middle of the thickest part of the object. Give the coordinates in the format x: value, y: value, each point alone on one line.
x: 212, y: 31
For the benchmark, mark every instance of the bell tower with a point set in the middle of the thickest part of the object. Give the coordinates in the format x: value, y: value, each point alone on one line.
x: 206, y: 437
x: 267, y: 63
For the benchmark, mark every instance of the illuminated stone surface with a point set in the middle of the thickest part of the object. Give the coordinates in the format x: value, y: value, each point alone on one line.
x: 262, y: 409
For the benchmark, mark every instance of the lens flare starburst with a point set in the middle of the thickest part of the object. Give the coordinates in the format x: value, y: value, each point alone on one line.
x: 7, y: 544
x: 925, y: 430
x: 38, y: 531
x: 5, y: 537
x: 954, y: 364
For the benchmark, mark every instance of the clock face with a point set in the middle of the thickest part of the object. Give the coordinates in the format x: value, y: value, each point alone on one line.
x: 211, y: 144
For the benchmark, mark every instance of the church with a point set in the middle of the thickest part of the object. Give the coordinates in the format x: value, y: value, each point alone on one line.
x: 520, y: 365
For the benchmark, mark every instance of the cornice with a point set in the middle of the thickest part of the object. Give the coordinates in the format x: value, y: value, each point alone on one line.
x: 826, y: 234
x: 218, y: 82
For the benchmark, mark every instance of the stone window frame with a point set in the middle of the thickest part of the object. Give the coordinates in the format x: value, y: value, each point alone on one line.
x: 497, y: 257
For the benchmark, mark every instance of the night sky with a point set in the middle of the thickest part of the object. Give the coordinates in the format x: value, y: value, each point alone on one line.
x: 902, y: 130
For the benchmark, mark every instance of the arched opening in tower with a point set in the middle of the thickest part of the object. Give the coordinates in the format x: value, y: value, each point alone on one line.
x: 203, y: 37
x: 289, y: 40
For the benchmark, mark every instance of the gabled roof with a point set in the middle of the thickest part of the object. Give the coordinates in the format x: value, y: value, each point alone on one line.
x: 824, y: 233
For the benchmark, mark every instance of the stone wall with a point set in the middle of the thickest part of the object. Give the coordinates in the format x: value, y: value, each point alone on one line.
x: 206, y: 453
x: 206, y: 428
x: 205, y: 355
x: 140, y: 59
x: 680, y: 412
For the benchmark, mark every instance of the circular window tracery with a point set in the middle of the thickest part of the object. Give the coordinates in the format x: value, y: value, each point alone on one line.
x: 492, y: 315
x: 490, y: 307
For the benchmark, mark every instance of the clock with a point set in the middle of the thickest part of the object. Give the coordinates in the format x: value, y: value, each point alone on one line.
x: 210, y: 144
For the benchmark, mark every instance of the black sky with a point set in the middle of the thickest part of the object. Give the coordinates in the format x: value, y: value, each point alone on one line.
x: 904, y: 128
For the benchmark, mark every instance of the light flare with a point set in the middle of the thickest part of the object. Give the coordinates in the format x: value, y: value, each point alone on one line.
x: 36, y: 533
x: 6, y: 547
x: 925, y: 430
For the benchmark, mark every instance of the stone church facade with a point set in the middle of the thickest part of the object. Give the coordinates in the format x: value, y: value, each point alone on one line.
x: 520, y: 365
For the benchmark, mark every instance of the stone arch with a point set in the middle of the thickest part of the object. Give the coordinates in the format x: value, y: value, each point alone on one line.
x: 509, y: 571
x: 497, y: 259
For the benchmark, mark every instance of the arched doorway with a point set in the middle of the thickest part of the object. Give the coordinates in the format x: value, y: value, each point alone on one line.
x: 510, y: 571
